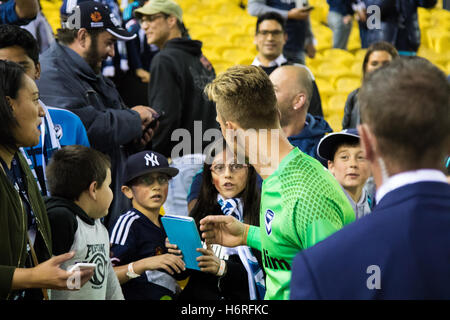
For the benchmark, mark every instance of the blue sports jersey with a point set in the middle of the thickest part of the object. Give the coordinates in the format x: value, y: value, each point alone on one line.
x: 62, y: 129
x: 8, y: 14
x: 134, y: 237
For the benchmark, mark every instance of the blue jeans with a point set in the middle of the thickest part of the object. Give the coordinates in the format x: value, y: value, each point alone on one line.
x: 295, y: 56
x: 341, y: 31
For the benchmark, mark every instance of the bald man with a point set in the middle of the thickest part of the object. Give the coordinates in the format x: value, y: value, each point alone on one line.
x: 294, y: 88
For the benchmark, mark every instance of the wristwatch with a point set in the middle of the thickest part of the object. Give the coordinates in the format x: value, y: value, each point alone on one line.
x: 130, y: 273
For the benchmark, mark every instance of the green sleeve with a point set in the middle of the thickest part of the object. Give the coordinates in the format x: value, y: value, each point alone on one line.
x: 254, y: 238
x: 316, y: 222
x: 319, y: 230
x: 6, y: 277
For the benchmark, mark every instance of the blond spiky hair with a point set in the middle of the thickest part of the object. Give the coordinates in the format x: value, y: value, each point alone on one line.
x: 245, y: 94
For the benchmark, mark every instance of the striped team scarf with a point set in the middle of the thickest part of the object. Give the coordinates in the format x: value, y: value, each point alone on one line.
x: 256, y: 284
x: 48, y: 144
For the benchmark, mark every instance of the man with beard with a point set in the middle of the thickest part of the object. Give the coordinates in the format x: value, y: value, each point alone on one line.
x: 71, y: 79
x: 179, y: 73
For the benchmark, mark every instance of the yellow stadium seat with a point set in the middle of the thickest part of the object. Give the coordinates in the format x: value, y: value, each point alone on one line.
x: 360, y: 54
x: 354, y: 43
x: 246, y: 61
x: 326, y: 89
x: 347, y: 84
x: 335, y: 122
x: 331, y: 71
x: 241, y: 39
x: 442, y: 44
x: 336, y: 103
x: 337, y: 53
x: 235, y: 54
x: 221, y: 66
x: 356, y: 68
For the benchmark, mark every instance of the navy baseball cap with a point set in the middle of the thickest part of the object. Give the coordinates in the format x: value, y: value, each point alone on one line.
x: 327, y: 145
x: 77, y: 14
x: 145, y: 162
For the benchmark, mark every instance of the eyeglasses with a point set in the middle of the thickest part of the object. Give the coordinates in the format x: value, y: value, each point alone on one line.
x: 220, y: 168
x: 274, y: 33
x: 149, y: 180
x: 152, y: 18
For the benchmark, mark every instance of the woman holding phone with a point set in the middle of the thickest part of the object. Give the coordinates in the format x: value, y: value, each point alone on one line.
x: 26, y: 265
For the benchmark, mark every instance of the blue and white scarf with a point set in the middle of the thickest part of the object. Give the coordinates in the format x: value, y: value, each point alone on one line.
x: 256, y: 283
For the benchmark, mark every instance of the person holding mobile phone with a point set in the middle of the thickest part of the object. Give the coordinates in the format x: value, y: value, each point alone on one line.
x: 79, y: 179
x: 179, y: 73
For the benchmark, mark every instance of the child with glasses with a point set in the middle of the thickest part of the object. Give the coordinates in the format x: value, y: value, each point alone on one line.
x: 227, y: 188
x: 142, y: 263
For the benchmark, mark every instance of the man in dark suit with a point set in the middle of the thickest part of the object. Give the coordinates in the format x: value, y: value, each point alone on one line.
x: 401, y: 250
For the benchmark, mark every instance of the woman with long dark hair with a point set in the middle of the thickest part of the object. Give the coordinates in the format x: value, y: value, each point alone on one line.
x: 228, y: 187
x: 25, y: 244
x: 378, y: 54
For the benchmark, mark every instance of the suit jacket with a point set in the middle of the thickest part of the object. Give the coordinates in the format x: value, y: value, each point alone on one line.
x: 400, y: 251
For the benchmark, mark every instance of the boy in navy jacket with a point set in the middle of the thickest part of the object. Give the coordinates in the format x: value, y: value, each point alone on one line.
x: 142, y: 264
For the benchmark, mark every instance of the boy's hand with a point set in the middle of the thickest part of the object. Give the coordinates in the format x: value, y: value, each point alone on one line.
x: 173, y: 248
x: 169, y: 262
x: 224, y: 230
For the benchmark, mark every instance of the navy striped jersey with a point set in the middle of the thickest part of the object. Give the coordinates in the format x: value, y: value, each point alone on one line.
x: 134, y: 237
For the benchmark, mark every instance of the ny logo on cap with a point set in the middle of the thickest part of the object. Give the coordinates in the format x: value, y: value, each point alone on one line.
x: 151, y: 158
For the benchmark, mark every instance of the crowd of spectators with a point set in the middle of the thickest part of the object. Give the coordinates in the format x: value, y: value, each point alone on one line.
x: 121, y: 119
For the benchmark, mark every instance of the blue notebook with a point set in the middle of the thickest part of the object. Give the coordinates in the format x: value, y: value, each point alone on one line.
x: 182, y: 231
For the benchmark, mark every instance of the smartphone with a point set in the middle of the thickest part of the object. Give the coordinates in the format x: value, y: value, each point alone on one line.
x: 156, y: 118
x: 81, y: 266
x: 307, y: 8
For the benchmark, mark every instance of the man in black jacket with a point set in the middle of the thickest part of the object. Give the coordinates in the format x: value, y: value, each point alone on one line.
x: 71, y: 79
x: 178, y: 75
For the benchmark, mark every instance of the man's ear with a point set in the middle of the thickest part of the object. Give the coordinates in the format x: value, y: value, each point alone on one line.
x: 126, y: 190
x: 93, y: 190
x: 368, y: 142
x: 82, y: 38
x: 232, y: 125
x: 299, y: 101
x: 172, y: 20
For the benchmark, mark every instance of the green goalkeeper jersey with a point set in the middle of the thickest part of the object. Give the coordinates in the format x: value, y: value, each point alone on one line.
x: 301, y: 204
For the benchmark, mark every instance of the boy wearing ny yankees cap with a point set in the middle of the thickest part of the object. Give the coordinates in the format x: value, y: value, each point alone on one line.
x: 142, y: 263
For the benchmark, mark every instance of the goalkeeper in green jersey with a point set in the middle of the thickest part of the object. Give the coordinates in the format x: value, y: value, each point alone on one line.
x: 301, y: 202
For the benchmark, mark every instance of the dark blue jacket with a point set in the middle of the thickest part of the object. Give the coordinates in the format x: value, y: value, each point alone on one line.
x: 405, y: 241
x: 67, y: 81
x: 308, y: 139
x: 343, y: 7
x: 8, y: 14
